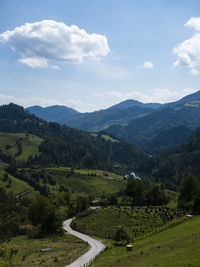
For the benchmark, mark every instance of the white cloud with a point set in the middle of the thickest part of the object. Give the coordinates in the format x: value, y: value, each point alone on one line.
x: 194, y: 22
x: 188, y: 52
x: 184, y: 60
x: 148, y: 65
x: 34, y: 62
x: 49, y: 40
x: 157, y: 95
x: 44, y: 102
x: 194, y: 72
x: 55, y: 67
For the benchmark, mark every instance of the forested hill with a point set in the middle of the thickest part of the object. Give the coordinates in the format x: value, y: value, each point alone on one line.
x: 146, y: 131
x: 171, y: 168
x: 67, y: 146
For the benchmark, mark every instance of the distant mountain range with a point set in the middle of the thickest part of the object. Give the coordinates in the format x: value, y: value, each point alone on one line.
x: 156, y: 128
x: 53, y: 113
x: 98, y: 120
x: 162, y: 130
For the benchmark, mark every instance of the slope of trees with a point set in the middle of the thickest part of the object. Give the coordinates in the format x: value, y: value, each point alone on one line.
x: 171, y: 168
x: 66, y: 146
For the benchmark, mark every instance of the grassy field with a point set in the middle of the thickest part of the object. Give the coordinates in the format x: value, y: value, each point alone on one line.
x: 91, y: 182
x: 108, y: 138
x: 100, y: 173
x: 12, y: 184
x: 140, y: 222
x: 64, y: 251
x: 176, y: 247
x: 29, y: 142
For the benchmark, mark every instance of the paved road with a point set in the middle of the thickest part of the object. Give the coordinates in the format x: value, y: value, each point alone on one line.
x: 96, y: 247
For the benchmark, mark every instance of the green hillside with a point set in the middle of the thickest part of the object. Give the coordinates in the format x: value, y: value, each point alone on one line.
x: 178, y: 246
x: 172, y: 167
x: 10, y: 143
x: 12, y: 184
x: 91, y: 182
x: 64, y: 146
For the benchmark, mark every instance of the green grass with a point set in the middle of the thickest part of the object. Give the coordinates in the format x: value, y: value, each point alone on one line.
x: 16, y: 185
x: 100, y: 173
x: 108, y: 138
x: 140, y: 222
x: 91, y: 182
x: 30, y: 144
x: 178, y: 246
x: 64, y: 251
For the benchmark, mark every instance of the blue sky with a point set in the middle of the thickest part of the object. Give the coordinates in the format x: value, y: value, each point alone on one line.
x: 117, y: 50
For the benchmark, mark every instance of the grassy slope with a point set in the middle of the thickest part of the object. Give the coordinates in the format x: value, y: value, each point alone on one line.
x: 84, y: 181
x: 64, y: 251
x: 16, y: 185
x: 103, y: 222
x: 178, y: 246
x: 30, y: 144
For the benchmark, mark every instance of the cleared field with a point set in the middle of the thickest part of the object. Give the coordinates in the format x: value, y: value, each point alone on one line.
x: 11, y: 184
x: 178, y: 246
x: 91, y: 182
x: 100, y: 173
x: 64, y: 251
x: 29, y: 143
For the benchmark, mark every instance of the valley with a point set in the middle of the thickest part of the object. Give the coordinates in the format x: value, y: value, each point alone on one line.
x: 50, y: 172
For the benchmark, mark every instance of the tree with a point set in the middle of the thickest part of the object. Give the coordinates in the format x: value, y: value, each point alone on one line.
x: 113, y: 200
x: 135, y: 190
x: 122, y: 235
x: 82, y: 203
x: 43, y: 215
x: 188, y: 191
x: 38, y: 209
x: 10, y: 215
x: 156, y: 196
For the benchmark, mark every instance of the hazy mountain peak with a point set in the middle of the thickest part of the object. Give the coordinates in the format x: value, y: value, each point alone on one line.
x: 53, y: 113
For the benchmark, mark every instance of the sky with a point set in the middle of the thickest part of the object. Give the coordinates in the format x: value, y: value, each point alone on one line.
x: 92, y: 54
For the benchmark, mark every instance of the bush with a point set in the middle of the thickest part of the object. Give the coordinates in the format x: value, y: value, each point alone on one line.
x: 122, y: 235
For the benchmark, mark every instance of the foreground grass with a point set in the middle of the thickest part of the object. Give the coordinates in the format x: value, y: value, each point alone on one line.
x: 64, y: 251
x: 178, y: 246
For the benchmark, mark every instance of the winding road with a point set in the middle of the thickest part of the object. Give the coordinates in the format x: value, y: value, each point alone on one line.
x: 96, y: 247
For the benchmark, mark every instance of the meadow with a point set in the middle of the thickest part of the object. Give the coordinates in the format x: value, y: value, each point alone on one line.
x: 177, y: 246
x: 29, y: 143
x: 64, y: 250
x: 90, y: 182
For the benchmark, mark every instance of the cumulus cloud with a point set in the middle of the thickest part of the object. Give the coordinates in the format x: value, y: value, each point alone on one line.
x: 157, y: 95
x: 188, y: 52
x: 194, y: 22
x: 194, y: 72
x: 49, y: 40
x: 148, y: 65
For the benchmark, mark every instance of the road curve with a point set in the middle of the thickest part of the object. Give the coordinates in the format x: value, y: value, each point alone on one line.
x: 96, y: 247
